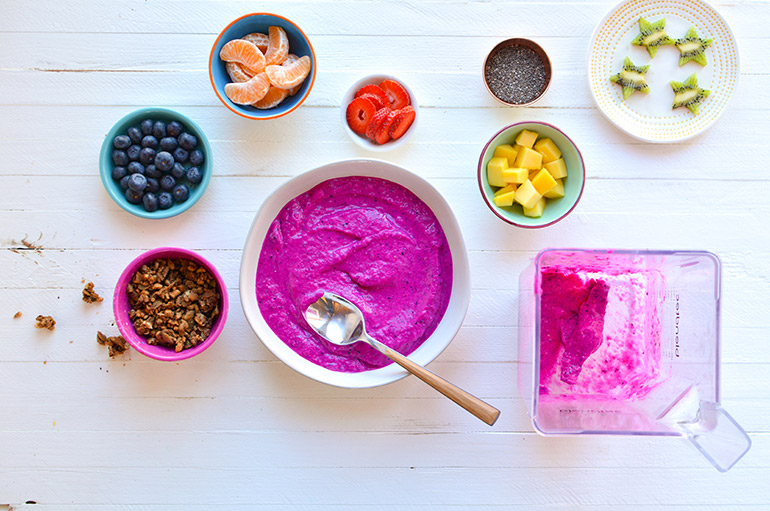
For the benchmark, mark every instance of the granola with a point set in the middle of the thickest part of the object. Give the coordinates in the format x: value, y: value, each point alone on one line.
x: 17, y: 315
x: 116, y: 345
x: 45, y: 322
x: 174, y: 302
x: 89, y: 295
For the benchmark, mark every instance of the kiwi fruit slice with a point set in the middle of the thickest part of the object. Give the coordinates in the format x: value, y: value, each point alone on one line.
x: 631, y: 78
x: 652, y: 36
x: 692, y: 47
x: 688, y: 94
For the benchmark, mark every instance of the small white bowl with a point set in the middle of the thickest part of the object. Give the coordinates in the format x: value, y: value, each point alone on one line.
x: 458, y: 300
x: 362, y: 140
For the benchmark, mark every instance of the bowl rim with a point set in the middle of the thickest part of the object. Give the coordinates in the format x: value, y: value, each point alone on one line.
x: 533, y: 45
x: 106, y: 174
x: 375, y: 78
x: 493, y: 207
x: 459, y: 299
x: 314, y: 63
x: 125, y: 326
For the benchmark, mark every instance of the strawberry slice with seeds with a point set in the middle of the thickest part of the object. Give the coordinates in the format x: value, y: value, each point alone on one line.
x: 374, y: 125
x: 379, y: 101
x: 402, y: 120
x: 359, y: 114
x: 396, y: 93
x: 382, y: 135
x: 374, y: 90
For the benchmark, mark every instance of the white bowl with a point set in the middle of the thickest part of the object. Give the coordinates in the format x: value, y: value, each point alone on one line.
x: 362, y: 140
x: 458, y: 300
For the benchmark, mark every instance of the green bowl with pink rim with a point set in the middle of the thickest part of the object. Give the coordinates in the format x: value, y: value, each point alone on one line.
x: 556, y: 209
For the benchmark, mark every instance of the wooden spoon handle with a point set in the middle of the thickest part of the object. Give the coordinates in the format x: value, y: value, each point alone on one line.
x: 476, y: 406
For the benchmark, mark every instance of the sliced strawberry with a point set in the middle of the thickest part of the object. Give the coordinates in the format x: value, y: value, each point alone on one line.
x: 397, y: 95
x: 374, y: 90
x: 402, y: 119
x: 374, y: 125
x: 382, y: 134
x: 359, y: 114
x: 379, y: 101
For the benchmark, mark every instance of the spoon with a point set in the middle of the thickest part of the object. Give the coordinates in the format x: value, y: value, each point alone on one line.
x: 340, y: 322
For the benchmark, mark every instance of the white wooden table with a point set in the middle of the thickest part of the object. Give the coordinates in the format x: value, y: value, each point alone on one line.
x: 235, y: 428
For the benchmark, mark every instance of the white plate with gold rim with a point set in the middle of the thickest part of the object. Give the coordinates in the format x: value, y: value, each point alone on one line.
x: 649, y: 116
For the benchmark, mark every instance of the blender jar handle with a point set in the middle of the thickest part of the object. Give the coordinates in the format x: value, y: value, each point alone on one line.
x: 718, y: 436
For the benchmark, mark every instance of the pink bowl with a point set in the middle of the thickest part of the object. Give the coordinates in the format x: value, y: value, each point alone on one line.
x: 121, y: 306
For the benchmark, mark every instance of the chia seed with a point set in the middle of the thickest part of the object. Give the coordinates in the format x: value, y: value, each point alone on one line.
x: 515, y: 74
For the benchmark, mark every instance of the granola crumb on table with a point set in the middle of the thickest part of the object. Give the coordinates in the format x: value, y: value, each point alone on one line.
x: 174, y: 302
x: 45, y: 322
x: 89, y: 295
x: 17, y: 315
x: 116, y: 345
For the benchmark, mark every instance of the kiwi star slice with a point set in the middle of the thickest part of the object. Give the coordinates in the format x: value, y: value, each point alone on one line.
x: 652, y: 36
x: 631, y: 78
x: 688, y: 94
x: 692, y: 47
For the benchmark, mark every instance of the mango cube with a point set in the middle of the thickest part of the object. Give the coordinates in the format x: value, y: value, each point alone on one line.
x: 557, y: 192
x: 526, y: 138
x: 543, y: 182
x: 548, y: 149
x: 526, y: 195
x: 529, y: 159
x: 515, y: 175
x: 495, y: 169
x: 506, y: 151
x: 536, y: 211
x: 557, y: 169
x: 504, y: 196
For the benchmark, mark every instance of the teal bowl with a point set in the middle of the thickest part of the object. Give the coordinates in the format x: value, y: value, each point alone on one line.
x: 556, y: 209
x: 134, y: 119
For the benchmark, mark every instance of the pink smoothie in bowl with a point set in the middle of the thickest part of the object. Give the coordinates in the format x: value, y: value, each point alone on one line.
x: 369, y: 240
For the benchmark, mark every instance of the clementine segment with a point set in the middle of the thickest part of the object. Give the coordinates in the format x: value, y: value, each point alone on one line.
x: 237, y: 73
x: 278, y: 46
x: 272, y: 99
x: 287, y: 77
x: 247, y: 93
x: 243, y: 52
x: 258, y: 39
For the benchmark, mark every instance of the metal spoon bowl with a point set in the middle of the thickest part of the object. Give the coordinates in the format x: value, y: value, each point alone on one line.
x: 340, y: 322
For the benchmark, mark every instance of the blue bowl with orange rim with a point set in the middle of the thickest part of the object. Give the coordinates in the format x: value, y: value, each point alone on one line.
x: 260, y: 22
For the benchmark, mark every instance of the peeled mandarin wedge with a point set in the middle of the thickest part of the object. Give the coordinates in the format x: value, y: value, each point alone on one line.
x: 278, y: 46
x: 250, y: 92
x: 286, y: 77
x: 258, y: 39
x: 243, y: 52
x: 237, y: 73
x: 272, y: 99
x: 291, y: 59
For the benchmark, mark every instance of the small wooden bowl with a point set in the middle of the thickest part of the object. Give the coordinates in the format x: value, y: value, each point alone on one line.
x: 527, y: 44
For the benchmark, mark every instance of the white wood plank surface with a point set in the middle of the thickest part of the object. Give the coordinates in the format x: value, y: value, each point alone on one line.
x: 235, y: 427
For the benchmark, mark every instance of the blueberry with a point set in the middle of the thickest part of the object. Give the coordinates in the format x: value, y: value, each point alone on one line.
x: 121, y: 142
x: 165, y: 200
x: 164, y: 161
x: 194, y: 175
x: 133, y: 152
x: 167, y: 182
x: 133, y: 196
x: 150, y: 201
x: 174, y: 129
x: 181, y: 193
x: 137, y: 182
x: 119, y: 157
x: 147, y: 156
x: 177, y: 170
x: 147, y: 127
x: 196, y: 158
x: 150, y: 141
x: 159, y: 129
x: 124, y: 182
x: 134, y: 134
x: 135, y: 168
x: 168, y: 143
x: 181, y: 155
x: 187, y: 141
x: 119, y: 173
x: 153, y: 186
x: 152, y: 172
